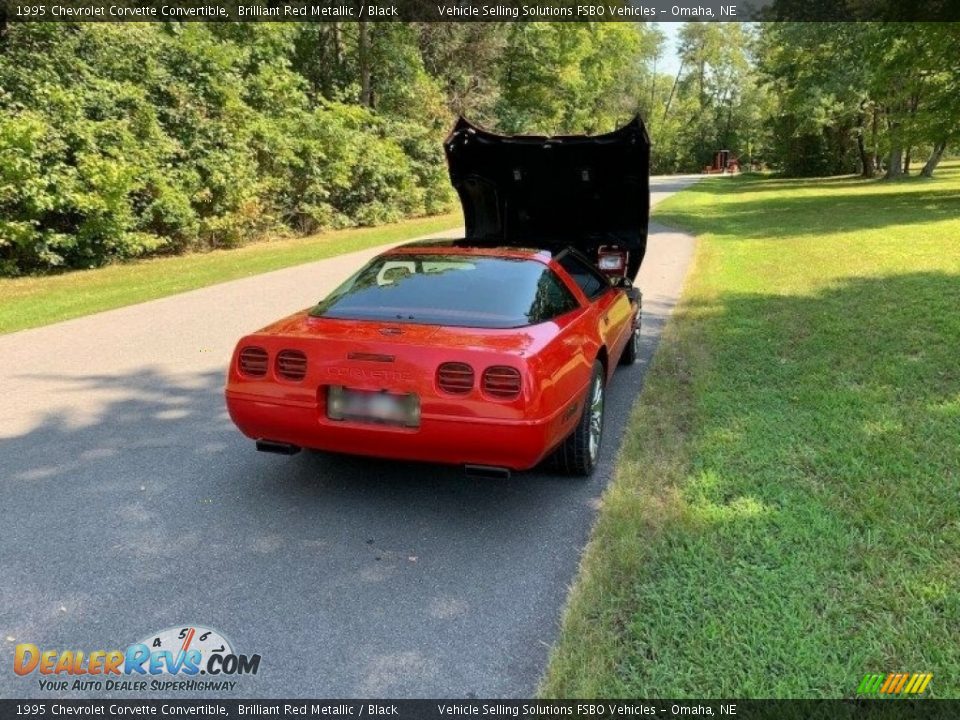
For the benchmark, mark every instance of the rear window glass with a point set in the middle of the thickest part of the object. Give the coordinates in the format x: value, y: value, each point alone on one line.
x: 483, y: 292
x: 590, y: 281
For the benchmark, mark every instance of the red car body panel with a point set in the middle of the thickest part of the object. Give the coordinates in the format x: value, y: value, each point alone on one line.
x: 555, y: 360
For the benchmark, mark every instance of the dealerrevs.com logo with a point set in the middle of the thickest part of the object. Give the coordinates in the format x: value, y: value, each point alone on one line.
x: 172, y: 659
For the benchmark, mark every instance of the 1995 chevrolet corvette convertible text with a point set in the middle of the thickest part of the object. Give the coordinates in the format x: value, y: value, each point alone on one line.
x: 491, y: 352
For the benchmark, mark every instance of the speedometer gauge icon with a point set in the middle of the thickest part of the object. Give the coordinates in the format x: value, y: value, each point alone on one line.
x: 183, y: 638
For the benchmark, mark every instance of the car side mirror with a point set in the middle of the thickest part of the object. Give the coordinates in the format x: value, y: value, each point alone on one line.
x: 622, y: 282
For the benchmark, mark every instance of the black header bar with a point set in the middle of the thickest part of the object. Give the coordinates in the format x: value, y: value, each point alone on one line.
x: 477, y: 10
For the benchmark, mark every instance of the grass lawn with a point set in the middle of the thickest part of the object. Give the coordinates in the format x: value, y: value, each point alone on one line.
x: 785, y: 515
x: 33, y: 301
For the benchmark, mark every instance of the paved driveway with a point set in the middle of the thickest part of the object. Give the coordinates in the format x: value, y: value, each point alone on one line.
x: 130, y: 504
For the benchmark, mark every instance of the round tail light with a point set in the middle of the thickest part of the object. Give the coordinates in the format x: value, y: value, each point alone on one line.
x: 292, y: 365
x: 455, y: 378
x: 501, y: 381
x: 253, y: 361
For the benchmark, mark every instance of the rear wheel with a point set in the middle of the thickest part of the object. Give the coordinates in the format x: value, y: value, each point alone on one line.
x: 578, y: 454
x: 632, y: 351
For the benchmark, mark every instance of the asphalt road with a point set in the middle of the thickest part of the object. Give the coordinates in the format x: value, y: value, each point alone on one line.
x: 131, y: 504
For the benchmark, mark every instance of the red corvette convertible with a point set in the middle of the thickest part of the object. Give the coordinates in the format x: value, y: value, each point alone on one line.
x: 492, y: 352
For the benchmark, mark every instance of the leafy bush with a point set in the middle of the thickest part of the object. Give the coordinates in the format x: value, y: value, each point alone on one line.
x: 798, y: 152
x: 118, y: 141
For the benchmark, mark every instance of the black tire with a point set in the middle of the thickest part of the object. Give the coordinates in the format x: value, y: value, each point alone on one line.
x: 577, y: 455
x: 632, y: 351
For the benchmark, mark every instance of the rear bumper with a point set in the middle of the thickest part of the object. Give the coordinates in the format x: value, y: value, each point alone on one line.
x: 518, y: 445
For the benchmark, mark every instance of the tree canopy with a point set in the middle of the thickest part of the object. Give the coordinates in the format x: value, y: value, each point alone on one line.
x: 121, y: 140
x: 860, y: 97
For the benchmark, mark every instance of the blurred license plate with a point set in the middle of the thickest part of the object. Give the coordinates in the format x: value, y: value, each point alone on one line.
x: 374, y: 407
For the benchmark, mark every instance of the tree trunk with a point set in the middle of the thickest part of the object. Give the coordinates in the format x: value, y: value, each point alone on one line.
x: 366, y: 96
x: 728, y: 129
x: 914, y: 104
x: 895, y: 163
x: 653, y: 84
x: 703, y: 92
x: 934, y: 158
x: 673, y: 91
x: 337, y: 45
x: 867, y: 166
x: 895, y: 159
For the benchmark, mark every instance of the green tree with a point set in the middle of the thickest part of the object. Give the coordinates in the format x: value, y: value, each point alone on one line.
x: 122, y: 140
x: 822, y: 122
x: 885, y: 88
x: 571, y: 77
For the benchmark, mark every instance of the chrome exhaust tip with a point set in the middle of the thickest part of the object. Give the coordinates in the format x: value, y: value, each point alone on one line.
x: 278, y: 448
x: 487, y: 472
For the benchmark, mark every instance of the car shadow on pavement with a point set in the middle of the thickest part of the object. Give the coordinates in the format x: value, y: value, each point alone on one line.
x: 137, y: 485
x: 143, y: 433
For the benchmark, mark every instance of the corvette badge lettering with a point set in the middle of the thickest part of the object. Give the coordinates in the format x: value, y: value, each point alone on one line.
x: 369, y: 374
